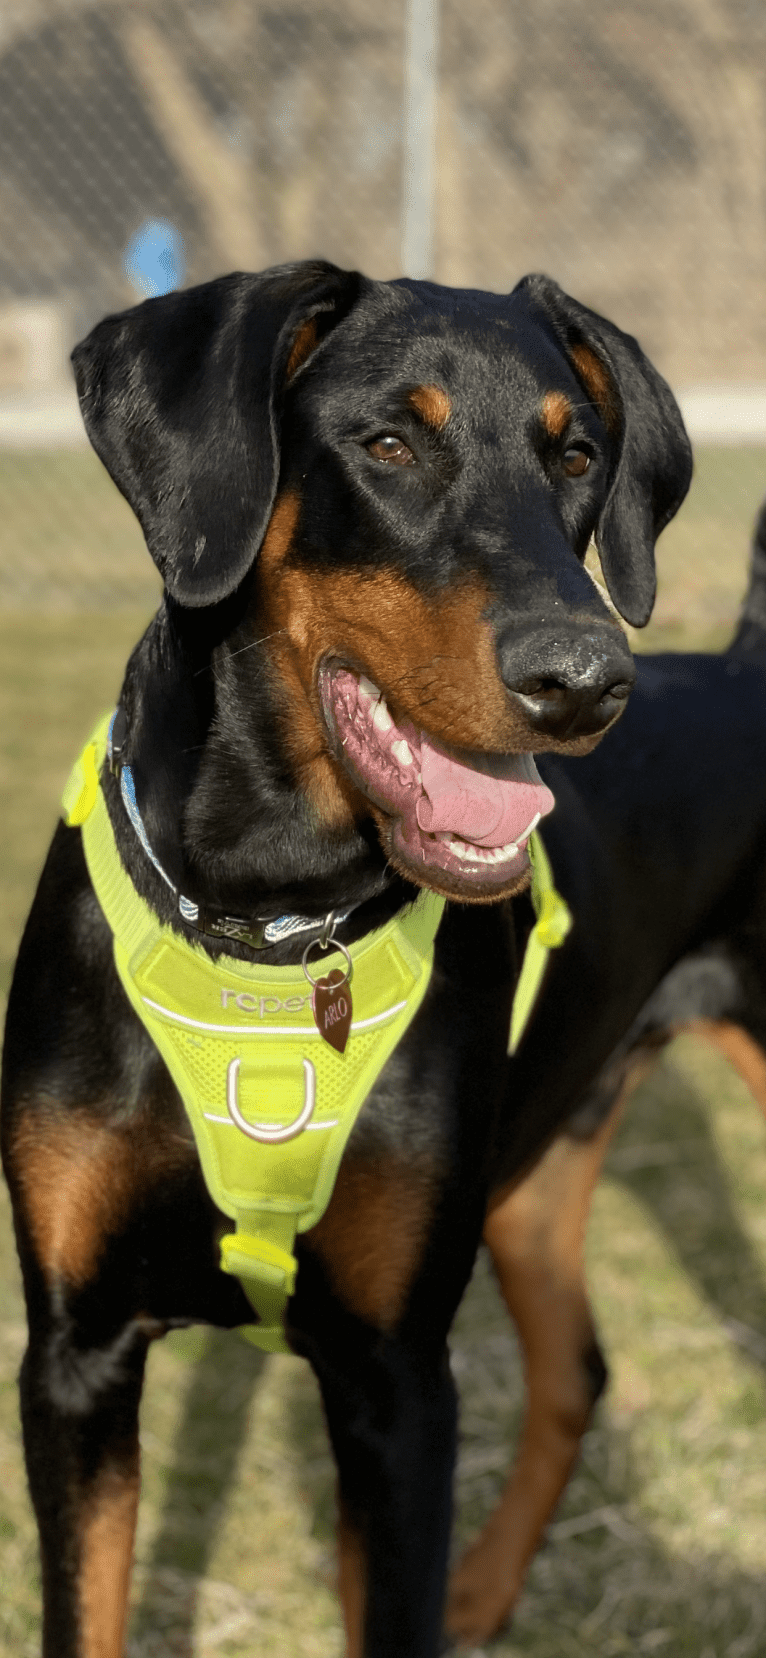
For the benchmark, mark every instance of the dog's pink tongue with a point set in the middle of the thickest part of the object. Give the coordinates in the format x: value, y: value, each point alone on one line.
x: 489, y: 811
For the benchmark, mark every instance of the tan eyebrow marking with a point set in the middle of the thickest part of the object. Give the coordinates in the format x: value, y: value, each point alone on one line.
x: 557, y: 413
x: 432, y: 403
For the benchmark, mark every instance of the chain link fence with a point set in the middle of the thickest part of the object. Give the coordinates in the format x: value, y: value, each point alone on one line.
x: 619, y: 146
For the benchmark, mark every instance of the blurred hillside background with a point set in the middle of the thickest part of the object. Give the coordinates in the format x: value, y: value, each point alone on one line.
x: 619, y: 145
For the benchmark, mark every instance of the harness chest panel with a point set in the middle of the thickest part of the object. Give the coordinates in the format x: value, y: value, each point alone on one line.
x: 271, y: 1104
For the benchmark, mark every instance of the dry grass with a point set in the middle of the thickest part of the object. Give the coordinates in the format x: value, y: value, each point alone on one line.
x: 660, y: 1545
x: 702, y: 556
x: 68, y: 541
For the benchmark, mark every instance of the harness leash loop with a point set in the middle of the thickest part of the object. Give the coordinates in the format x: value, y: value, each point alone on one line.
x: 265, y: 1133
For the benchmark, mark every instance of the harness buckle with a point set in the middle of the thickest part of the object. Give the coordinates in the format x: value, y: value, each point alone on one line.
x: 247, y: 1256
x: 116, y: 739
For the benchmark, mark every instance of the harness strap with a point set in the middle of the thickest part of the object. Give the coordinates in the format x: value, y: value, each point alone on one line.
x: 270, y: 1103
x: 554, y: 921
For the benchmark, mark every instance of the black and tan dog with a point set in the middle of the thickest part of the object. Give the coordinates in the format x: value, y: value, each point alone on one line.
x: 659, y: 843
x: 370, y: 504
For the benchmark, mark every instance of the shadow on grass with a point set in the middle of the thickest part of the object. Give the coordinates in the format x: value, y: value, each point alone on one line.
x: 208, y: 1441
x: 603, y: 1585
x: 667, y: 1157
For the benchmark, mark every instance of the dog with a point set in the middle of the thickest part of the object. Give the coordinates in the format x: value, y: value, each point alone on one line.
x: 658, y: 843
x: 370, y: 505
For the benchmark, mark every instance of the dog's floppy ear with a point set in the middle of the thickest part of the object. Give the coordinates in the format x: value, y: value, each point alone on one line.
x: 180, y: 398
x: 652, y: 467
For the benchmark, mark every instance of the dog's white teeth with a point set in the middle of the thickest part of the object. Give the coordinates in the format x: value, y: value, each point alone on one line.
x: 462, y: 849
x: 477, y: 854
x: 402, y: 752
x: 381, y: 719
x: 530, y: 826
x: 367, y: 689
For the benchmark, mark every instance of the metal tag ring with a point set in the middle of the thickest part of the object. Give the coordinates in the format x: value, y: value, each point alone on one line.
x: 333, y: 944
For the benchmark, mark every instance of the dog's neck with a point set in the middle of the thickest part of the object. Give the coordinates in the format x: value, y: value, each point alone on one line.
x: 219, y: 807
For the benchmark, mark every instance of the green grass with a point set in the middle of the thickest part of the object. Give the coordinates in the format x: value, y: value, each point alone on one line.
x: 703, y: 554
x: 660, y: 1545
x: 669, y: 1492
x: 68, y: 541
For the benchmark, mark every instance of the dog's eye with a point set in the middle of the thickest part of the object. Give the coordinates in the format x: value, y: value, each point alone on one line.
x: 576, y: 461
x: 392, y: 450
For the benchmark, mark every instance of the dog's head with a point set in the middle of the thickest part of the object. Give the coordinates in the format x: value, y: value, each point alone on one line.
x: 402, y: 481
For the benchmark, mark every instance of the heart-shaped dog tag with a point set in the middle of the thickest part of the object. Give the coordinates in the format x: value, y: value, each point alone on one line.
x: 332, y: 1009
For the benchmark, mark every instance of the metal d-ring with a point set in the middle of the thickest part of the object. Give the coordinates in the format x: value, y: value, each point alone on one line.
x: 265, y: 1133
x: 327, y: 941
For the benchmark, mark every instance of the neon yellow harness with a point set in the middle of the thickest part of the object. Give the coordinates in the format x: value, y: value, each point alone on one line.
x: 271, y: 1104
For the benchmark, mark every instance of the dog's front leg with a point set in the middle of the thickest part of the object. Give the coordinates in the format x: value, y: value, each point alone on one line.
x: 79, y: 1405
x: 391, y: 1413
x: 72, y: 1178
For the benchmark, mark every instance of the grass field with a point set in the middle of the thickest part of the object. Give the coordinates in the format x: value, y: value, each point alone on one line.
x: 660, y: 1544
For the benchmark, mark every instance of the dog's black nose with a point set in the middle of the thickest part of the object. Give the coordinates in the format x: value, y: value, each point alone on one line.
x: 571, y: 683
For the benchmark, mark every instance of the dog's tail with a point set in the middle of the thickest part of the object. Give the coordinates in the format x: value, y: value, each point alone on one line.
x: 750, y: 637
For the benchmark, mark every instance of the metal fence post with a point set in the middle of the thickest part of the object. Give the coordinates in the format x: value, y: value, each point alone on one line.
x: 419, y: 169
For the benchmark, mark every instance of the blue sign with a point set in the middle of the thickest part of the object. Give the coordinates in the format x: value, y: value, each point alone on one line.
x: 155, y: 259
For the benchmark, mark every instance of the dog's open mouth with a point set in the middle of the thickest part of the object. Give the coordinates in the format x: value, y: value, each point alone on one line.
x: 460, y: 825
